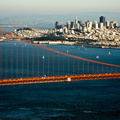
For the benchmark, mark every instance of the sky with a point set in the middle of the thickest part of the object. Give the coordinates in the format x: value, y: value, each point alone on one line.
x: 10, y: 7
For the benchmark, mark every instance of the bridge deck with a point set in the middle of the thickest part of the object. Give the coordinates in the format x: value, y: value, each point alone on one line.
x: 58, y: 79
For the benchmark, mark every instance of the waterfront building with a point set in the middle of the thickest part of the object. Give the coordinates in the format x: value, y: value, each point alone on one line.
x: 102, y: 20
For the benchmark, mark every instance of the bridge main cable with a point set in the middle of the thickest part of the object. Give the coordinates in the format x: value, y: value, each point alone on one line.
x: 58, y: 52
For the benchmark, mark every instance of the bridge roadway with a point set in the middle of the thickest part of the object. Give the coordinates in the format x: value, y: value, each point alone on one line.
x: 59, y: 78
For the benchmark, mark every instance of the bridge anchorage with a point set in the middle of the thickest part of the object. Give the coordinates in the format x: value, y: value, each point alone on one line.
x: 26, y: 62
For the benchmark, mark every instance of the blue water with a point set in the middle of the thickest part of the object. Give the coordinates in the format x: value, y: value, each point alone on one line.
x: 81, y: 100
x: 20, y: 60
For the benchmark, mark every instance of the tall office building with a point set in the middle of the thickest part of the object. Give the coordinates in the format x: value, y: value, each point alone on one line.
x: 116, y: 25
x: 101, y: 26
x: 88, y: 25
x: 107, y: 24
x: 102, y: 20
x: 76, y: 25
x: 76, y: 21
x: 57, y: 25
x: 68, y: 25
x: 72, y: 25
x: 80, y: 22
x: 95, y: 24
x: 113, y: 24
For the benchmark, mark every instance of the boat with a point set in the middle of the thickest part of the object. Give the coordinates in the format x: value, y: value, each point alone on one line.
x: 43, y: 57
x: 109, y: 53
x: 97, y: 57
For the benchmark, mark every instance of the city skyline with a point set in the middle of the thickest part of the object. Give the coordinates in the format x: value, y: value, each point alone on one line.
x: 11, y: 7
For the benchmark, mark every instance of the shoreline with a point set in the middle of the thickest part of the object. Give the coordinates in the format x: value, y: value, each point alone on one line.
x: 73, y: 43
x: 59, y: 42
x: 44, y: 37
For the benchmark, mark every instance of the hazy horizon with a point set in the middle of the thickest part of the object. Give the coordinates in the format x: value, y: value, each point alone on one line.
x: 10, y: 7
x: 44, y: 20
x: 48, y: 11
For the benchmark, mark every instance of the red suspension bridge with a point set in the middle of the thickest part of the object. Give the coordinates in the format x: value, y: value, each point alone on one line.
x: 26, y: 62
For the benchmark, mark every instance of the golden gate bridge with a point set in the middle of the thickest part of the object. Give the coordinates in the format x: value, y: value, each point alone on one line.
x: 50, y: 65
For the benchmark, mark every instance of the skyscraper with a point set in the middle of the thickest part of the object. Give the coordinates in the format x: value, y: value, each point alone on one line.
x: 80, y: 22
x: 57, y: 25
x: 107, y: 24
x: 95, y: 24
x: 72, y: 25
x: 76, y: 25
x: 102, y: 20
x: 76, y: 21
x: 68, y: 24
